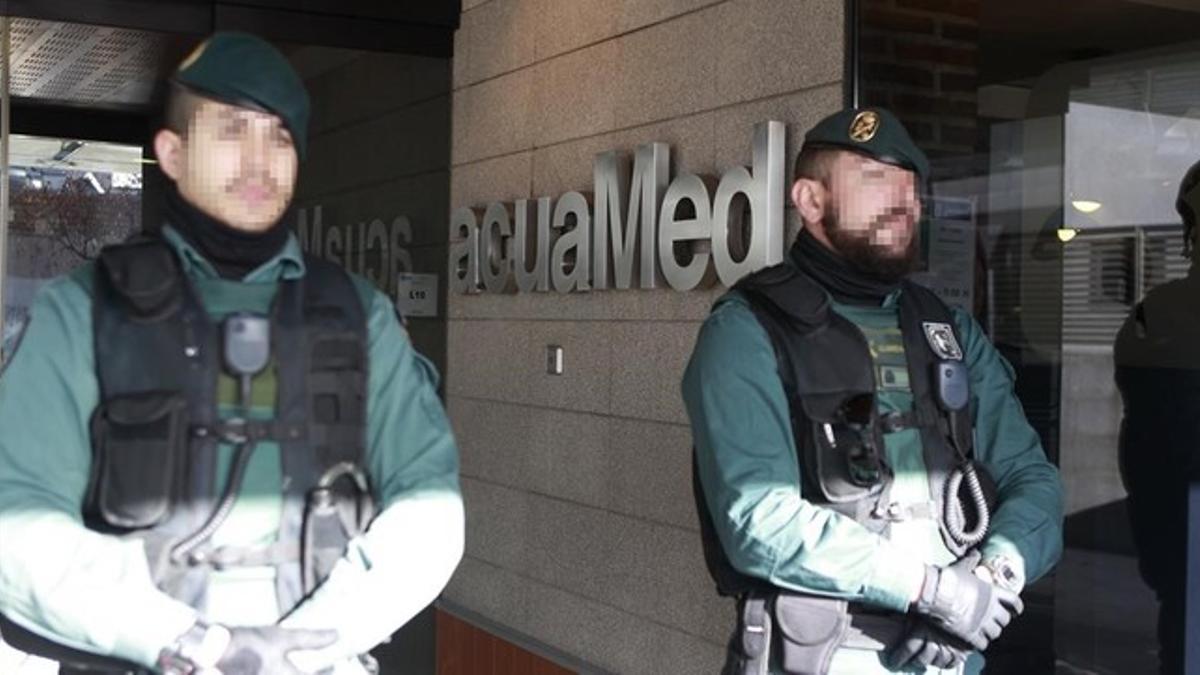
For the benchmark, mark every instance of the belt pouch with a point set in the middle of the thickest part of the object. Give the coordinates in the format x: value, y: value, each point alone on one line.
x: 810, y: 630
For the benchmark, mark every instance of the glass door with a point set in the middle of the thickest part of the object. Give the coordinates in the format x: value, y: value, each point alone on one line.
x: 1073, y: 131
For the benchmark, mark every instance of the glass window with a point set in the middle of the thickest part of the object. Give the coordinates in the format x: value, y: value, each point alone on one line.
x: 68, y: 199
x: 1065, y: 131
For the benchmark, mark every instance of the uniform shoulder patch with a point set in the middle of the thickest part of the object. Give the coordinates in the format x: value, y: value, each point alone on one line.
x: 10, y: 341
x: 942, y: 340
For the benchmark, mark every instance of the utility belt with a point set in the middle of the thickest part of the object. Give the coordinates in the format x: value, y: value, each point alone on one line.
x: 802, y: 632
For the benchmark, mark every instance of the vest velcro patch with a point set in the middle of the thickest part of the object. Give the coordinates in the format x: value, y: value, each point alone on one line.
x: 893, y: 378
x: 942, y: 341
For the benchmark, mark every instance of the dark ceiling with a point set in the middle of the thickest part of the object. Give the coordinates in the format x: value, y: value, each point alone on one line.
x: 1022, y: 39
x: 423, y: 27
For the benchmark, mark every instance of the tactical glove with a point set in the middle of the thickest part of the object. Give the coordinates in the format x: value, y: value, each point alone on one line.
x: 923, y: 645
x: 965, y: 606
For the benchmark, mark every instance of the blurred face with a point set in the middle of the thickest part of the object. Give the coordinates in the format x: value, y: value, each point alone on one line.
x: 235, y: 164
x: 867, y: 213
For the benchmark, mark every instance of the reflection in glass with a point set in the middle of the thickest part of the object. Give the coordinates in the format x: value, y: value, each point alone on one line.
x: 68, y: 200
x: 1068, y: 128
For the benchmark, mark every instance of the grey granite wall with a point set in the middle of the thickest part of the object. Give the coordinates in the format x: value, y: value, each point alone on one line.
x: 376, y: 181
x: 581, y: 531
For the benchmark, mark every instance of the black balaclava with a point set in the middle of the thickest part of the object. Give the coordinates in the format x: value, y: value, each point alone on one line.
x: 234, y: 253
x: 845, y: 283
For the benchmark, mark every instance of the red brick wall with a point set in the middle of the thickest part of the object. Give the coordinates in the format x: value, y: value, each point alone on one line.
x: 919, y: 58
x: 463, y: 649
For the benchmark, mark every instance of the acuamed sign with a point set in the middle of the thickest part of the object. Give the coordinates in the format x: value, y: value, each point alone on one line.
x: 641, y: 231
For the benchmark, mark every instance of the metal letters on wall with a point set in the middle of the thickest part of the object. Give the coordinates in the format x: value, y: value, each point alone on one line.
x: 641, y: 231
x: 376, y: 250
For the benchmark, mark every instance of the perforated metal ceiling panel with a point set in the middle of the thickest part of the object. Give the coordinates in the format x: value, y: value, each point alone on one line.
x: 86, y: 65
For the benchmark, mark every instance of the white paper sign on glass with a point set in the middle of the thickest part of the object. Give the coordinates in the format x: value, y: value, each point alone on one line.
x: 417, y: 295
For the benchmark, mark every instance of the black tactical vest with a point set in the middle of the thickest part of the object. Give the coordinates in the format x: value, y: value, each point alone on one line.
x: 828, y: 375
x: 156, y: 431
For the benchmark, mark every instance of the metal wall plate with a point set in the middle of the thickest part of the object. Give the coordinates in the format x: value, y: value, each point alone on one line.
x: 554, y: 360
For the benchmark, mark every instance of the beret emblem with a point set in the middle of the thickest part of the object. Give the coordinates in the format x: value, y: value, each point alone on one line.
x: 864, y: 126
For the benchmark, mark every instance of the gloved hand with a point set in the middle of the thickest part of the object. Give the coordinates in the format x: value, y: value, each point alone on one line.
x: 965, y: 606
x: 923, y: 645
x: 263, y: 650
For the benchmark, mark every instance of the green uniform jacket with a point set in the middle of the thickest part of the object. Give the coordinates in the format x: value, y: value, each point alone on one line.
x: 750, y: 472
x: 95, y: 592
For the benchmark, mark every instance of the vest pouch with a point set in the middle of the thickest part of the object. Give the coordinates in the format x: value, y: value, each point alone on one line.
x: 844, y: 447
x: 749, y: 650
x: 810, y: 629
x: 139, y: 445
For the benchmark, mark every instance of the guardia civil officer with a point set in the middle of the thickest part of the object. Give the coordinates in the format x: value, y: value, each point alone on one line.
x: 1157, y: 358
x: 219, y: 452
x: 868, y: 485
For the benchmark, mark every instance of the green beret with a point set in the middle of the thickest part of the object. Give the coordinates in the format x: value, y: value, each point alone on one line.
x: 246, y: 71
x: 874, y: 132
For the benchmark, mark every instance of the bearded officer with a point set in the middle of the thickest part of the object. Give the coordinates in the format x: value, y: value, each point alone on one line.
x: 200, y: 427
x: 869, y: 487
